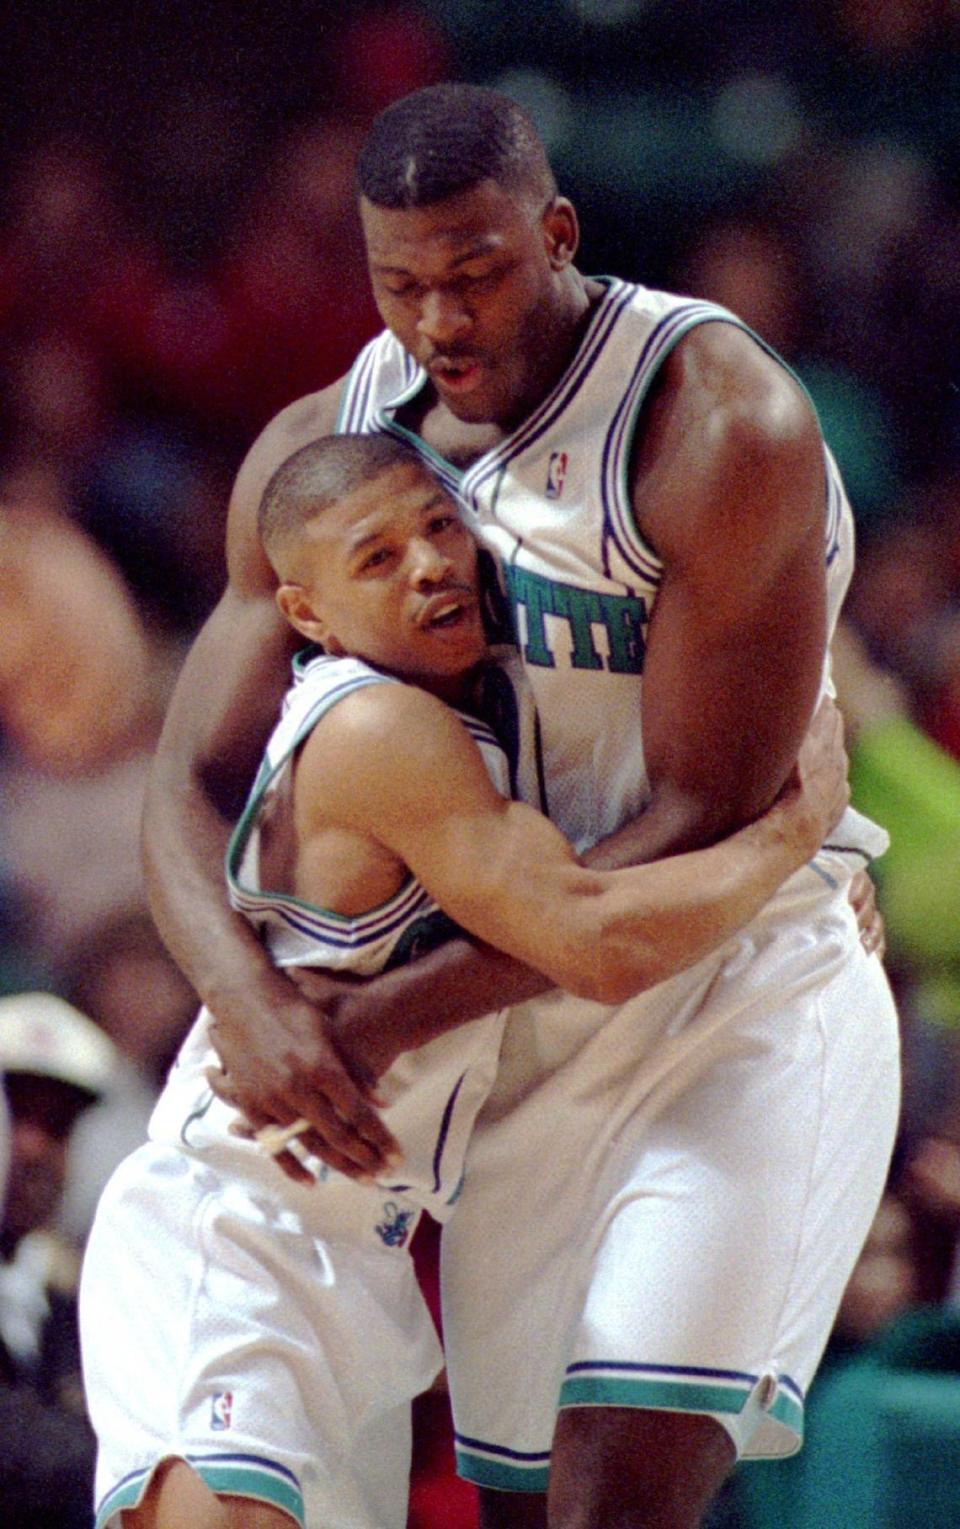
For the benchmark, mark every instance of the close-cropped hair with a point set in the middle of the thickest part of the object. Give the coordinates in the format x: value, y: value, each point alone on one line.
x: 319, y: 475
x: 446, y: 139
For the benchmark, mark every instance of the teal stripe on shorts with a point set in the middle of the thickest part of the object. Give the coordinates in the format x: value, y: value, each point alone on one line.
x: 605, y: 1390
x: 710, y: 1393
x: 230, y: 1477
x: 607, y: 1386
x: 508, y: 1473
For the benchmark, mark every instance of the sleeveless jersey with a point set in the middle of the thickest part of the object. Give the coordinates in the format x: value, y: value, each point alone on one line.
x: 432, y: 1093
x: 552, y: 502
x: 297, y: 933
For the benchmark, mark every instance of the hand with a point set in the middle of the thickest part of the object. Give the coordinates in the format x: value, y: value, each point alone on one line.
x: 863, y: 896
x: 367, y: 1041
x: 816, y: 793
x: 279, y: 1062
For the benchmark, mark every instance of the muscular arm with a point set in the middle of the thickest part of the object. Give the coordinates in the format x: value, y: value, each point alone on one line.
x: 729, y: 472
x: 223, y: 707
x: 728, y: 486
x: 394, y: 765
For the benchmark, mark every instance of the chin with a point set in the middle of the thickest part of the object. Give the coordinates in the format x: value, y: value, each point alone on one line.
x: 486, y: 407
x: 472, y: 411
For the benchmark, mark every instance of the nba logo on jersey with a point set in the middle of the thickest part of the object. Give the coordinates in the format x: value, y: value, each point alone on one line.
x: 221, y: 1410
x: 556, y: 472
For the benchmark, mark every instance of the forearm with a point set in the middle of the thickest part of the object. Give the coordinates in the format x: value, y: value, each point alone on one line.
x: 220, y: 714
x: 459, y: 981
x: 613, y: 935
x: 184, y: 843
x: 655, y: 921
x: 668, y: 915
x: 666, y: 826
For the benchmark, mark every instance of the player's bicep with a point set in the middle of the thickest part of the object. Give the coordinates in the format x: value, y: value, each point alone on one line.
x: 401, y: 768
x: 736, y: 640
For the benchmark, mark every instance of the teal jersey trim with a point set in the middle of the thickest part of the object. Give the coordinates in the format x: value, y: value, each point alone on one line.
x: 248, y: 1481
x: 127, y: 1495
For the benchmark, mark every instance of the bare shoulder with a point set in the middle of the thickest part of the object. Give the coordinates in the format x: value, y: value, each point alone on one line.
x: 388, y: 744
x: 723, y: 368
x: 295, y: 426
x: 731, y: 436
x: 381, y: 728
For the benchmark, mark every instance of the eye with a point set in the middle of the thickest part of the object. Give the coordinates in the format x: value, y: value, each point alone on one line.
x: 479, y: 276
x: 407, y: 291
x: 473, y: 278
x: 375, y: 559
x: 444, y: 522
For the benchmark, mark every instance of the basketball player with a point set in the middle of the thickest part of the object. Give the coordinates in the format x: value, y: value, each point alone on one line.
x: 252, y: 1345
x: 665, y: 1200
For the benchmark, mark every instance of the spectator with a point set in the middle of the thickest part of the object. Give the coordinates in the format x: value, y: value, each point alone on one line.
x: 122, y: 976
x: 55, y: 1064
x: 81, y: 689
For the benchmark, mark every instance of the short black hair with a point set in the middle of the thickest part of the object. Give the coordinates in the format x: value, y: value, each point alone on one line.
x: 446, y: 139
x: 320, y: 474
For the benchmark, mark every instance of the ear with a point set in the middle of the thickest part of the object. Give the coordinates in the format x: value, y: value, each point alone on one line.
x: 296, y: 604
x: 561, y: 232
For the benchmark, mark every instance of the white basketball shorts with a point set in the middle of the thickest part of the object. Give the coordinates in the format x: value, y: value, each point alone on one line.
x: 664, y: 1201
x: 273, y: 1340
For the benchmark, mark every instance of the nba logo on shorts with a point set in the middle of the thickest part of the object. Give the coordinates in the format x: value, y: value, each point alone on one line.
x: 394, y: 1230
x: 556, y: 472
x: 221, y: 1410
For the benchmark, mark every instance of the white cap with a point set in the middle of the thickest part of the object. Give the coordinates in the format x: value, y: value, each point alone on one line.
x: 43, y: 1035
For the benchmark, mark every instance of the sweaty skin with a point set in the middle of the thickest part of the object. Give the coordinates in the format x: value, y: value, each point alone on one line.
x: 737, y: 630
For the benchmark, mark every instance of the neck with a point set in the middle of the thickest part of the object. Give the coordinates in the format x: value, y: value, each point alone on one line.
x: 577, y: 297
x: 457, y: 690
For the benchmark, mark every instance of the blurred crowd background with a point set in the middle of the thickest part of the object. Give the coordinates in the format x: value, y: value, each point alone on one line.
x: 180, y: 256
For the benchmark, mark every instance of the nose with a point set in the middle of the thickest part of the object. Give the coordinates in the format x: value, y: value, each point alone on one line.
x: 427, y: 565
x: 442, y: 318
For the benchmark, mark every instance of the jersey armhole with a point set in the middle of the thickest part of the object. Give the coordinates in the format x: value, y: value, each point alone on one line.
x: 638, y: 553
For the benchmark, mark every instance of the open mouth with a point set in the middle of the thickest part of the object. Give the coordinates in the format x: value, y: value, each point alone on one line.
x: 456, y: 374
x: 445, y: 611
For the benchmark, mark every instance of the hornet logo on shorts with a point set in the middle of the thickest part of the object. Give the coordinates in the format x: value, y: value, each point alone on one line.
x: 394, y: 1229
x: 221, y: 1410
x: 556, y: 473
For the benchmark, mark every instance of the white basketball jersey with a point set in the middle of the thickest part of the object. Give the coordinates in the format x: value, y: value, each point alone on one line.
x: 297, y: 933
x: 432, y: 1093
x: 552, y: 502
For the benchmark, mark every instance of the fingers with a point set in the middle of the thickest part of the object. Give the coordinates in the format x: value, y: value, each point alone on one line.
x: 285, y: 1160
x: 874, y: 938
x: 336, y: 1142
x: 274, y: 1139
x: 318, y: 1130
x: 335, y: 1109
x: 355, y: 1112
x: 863, y: 897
